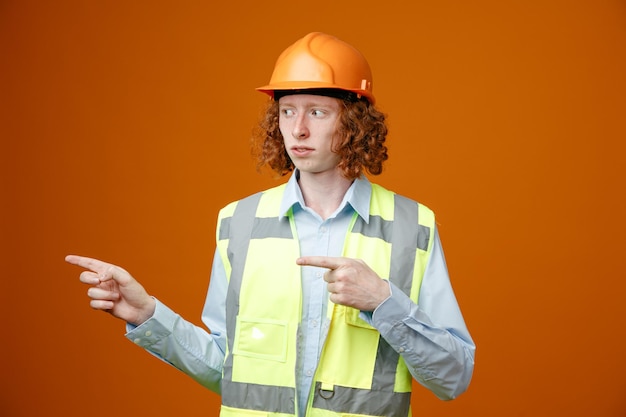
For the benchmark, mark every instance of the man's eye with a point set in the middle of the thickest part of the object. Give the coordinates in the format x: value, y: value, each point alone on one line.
x: 317, y: 113
x: 287, y: 112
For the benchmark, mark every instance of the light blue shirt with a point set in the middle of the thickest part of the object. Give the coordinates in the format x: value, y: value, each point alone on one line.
x: 431, y: 336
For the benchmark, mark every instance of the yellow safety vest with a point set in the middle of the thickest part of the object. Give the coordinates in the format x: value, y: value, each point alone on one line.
x: 264, y: 310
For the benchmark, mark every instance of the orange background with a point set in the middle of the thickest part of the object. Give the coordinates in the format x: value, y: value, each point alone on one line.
x: 125, y: 128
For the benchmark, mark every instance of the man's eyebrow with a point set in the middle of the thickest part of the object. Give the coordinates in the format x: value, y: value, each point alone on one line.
x: 308, y: 104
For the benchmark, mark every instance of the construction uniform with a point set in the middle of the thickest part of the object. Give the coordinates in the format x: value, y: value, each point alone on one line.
x: 261, y: 307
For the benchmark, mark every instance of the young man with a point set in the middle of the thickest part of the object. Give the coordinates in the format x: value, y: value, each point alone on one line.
x: 328, y: 293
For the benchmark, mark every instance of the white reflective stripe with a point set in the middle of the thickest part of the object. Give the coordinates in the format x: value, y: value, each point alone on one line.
x: 264, y: 228
x: 345, y: 400
x: 243, y: 217
x: 377, y: 227
x: 403, y: 244
x: 266, y: 398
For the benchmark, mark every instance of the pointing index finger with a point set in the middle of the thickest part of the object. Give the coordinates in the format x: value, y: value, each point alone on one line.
x: 320, y: 261
x: 94, y: 265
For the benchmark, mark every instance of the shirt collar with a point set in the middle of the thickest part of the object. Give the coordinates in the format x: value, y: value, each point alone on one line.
x: 358, y: 196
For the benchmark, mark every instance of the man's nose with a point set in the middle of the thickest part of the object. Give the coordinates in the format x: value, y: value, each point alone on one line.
x: 300, y: 128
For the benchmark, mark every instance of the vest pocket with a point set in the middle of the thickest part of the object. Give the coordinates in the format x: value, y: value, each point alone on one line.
x: 261, y: 339
x: 349, y: 354
x: 352, y: 318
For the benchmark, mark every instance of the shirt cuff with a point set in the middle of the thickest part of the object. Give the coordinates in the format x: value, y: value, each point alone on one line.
x: 394, y: 310
x: 156, y: 328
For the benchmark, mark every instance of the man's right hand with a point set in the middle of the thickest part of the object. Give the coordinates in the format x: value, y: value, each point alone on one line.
x: 114, y: 290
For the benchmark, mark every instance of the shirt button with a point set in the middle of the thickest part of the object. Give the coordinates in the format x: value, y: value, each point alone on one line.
x: 309, y: 372
x: 401, y: 350
x: 137, y: 341
x: 323, y: 230
x: 149, y: 333
x: 313, y: 323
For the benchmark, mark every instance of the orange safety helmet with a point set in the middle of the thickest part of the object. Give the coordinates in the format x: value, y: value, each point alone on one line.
x: 321, y: 61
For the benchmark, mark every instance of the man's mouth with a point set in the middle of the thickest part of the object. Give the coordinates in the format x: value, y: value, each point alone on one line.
x: 301, y: 150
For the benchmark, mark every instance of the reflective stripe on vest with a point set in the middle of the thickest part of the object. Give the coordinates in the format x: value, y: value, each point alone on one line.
x: 382, y: 390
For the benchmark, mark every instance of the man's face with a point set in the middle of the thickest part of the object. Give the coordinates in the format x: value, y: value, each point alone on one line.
x: 308, y: 124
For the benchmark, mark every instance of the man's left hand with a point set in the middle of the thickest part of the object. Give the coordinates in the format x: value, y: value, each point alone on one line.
x: 351, y: 282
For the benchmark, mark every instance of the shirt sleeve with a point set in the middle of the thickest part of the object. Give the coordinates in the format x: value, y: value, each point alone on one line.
x: 190, y: 348
x: 431, y: 336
